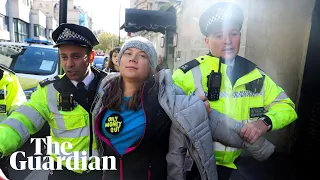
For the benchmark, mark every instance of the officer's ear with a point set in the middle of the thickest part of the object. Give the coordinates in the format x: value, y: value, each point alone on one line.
x: 91, y: 56
x: 206, y: 40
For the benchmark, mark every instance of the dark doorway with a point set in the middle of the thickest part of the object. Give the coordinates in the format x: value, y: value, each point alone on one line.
x: 307, y: 130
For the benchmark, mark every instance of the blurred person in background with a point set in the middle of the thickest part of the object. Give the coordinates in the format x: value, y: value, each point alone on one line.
x: 113, y: 61
x: 160, y: 63
x: 105, y: 64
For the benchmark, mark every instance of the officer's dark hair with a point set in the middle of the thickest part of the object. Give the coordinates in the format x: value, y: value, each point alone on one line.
x: 88, y: 50
x: 110, y: 63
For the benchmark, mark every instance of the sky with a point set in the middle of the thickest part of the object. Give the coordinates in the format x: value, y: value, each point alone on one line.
x: 105, y: 13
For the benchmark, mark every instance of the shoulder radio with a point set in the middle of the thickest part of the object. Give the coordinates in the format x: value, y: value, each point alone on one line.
x: 66, y: 102
x: 214, y: 84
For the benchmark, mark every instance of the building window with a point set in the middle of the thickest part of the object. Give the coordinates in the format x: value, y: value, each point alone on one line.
x: 50, y: 33
x: 4, y: 22
x: 164, y: 6
x: 21, y: 30
x: 39, y: 30
x: 150, y: 6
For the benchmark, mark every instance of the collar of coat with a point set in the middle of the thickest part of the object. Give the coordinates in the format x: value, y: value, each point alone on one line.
x: 241, y: 67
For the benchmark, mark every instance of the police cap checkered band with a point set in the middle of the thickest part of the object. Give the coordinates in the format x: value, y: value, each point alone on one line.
x: 67, y: 34
x: 221, y: 15
x: 75, y: 35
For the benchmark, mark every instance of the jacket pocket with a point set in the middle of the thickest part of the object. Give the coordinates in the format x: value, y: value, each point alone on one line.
x: 69, y: 120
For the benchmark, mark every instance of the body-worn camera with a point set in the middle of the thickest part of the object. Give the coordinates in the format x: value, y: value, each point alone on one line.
x: 214, y: 84
x: 66, y: 102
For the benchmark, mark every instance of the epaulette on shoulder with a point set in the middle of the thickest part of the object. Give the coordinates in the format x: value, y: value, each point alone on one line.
x: 261, y: 71
x: 49, y: 80
x: 99, y: 72
x: 189, y: 65
x: 3, y: 67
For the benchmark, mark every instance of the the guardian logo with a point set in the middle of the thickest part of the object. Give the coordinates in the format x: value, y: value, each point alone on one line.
x: 57, y: 155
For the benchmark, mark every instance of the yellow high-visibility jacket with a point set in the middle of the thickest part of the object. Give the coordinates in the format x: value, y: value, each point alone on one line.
x: 11, y: 92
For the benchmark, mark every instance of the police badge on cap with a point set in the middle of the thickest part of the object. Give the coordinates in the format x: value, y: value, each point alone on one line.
x: 74, y: 34
x: 221, y: 15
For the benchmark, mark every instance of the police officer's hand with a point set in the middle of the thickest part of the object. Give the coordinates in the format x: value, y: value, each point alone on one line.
x: 206, y: 103
x: 2, y: 176
x: 250, y: 132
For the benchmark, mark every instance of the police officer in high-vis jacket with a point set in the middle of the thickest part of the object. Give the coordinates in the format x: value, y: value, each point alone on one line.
x: 11, y: 92
x: 11, y: 97
x: 64, y: 102
x: 234, y: 86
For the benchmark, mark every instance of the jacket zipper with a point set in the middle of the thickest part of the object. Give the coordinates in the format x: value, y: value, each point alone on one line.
x: 121, y: 169
x: 197, y: 163
x: 130, y: 149
x: 149, y: 172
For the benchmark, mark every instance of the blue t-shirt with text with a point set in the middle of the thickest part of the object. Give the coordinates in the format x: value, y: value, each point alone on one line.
x: 132, y: 127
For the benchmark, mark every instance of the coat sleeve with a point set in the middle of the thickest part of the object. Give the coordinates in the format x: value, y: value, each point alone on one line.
x: 28, y: 119
x: 226, y: 131
x: 176, y: 154
x: 280, y: 109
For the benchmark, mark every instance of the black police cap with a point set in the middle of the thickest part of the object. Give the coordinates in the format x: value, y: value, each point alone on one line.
x: 73, y: 34
x: 220, y: 15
